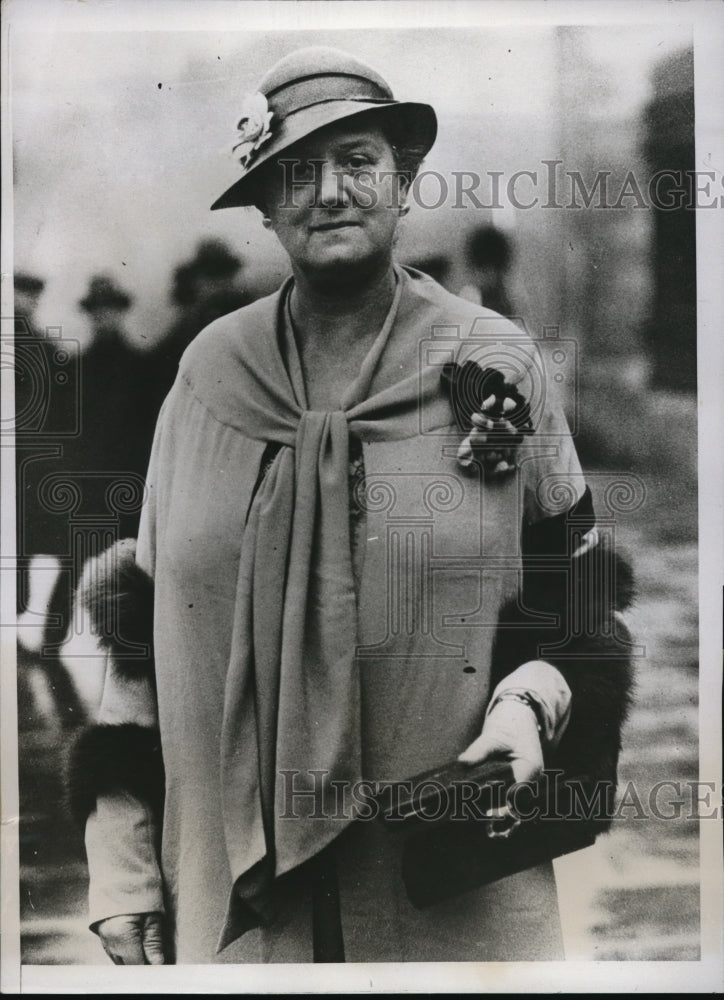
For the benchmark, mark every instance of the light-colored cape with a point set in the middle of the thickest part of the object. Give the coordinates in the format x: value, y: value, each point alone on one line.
x: 256, y: 676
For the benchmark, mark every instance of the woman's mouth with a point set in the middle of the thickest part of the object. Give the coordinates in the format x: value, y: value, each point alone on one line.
x: 323, y: 227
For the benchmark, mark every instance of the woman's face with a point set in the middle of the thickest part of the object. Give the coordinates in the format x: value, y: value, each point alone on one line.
x: 334, y: 200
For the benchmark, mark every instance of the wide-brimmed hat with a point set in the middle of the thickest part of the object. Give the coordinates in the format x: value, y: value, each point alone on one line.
x: 305, y: 91
x: 104, y: 293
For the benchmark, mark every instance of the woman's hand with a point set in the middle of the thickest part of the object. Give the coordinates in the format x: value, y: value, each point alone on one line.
x: 133, y: 939
x: 511, y: 732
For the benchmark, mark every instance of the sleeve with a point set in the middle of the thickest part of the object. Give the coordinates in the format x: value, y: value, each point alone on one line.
x: 552, y: 478
x: 565, y: 631
x: 562, y: 641
x: 146, y: 547
x: 121, y: 839
x: 547, y: 687
x: 116, y: 776
x: 116, y: 791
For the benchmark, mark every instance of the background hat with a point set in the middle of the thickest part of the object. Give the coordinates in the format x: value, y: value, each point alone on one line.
x: 213, y: 259
x: 103, y: 293
x: 25, y: 282
x: 489, y: 247
x: 303, y: 92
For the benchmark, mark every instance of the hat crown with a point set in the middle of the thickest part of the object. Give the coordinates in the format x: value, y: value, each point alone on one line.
x: 320, y: 61
x: 103, y: 285
x: 307, y: 90
x: 213, y: 256
x: 104, y: 292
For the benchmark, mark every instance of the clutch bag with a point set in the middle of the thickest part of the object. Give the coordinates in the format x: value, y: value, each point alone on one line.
x: 447, y: 850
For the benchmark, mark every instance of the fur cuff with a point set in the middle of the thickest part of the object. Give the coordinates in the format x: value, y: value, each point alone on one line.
x: 118, y: 597
x: 106, y: 759
x: 585, y: 639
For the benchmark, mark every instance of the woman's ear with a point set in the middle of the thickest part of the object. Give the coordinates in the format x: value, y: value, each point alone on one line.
x: 403, y: 189
x: 266, y: 222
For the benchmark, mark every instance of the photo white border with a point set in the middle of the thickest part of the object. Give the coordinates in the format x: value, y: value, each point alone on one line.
x: 707, y: 17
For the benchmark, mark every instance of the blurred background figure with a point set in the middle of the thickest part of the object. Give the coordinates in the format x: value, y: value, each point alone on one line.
x: 207, y: 286
x: 117, y: 409
x: 96, y: 490
x: 489, y: 256
x: 44, y: 410
x: 37, y: 539
x: 28, y: 289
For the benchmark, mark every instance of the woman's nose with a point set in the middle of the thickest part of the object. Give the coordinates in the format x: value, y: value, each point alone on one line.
x: 331, y: 189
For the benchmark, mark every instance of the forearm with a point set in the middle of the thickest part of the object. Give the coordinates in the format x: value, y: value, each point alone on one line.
x: 121, y: 837
x: 583, y: 638
x: 547, y: 688
x: 116, y: 776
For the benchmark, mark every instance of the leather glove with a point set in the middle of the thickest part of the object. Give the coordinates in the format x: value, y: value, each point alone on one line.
x: 510, y: 731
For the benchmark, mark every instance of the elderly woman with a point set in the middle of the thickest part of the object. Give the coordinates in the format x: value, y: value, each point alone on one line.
x: 332, y: 542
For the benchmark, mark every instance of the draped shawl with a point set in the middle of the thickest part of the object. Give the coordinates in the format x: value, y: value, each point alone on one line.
x: 291, y: 686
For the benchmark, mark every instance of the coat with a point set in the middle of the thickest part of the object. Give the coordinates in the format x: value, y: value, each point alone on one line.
x: 442, y: 560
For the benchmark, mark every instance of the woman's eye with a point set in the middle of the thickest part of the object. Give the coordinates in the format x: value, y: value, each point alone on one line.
x: 358, y: 161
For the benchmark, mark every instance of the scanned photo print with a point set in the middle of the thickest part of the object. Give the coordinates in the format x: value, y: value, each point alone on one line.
x: 359, y: 536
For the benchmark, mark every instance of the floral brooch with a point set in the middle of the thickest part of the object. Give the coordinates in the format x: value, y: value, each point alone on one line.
x: 492, y: 414
x: 253, y: 127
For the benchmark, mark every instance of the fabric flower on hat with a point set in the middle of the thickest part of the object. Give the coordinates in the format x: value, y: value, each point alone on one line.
x: 254, y: 128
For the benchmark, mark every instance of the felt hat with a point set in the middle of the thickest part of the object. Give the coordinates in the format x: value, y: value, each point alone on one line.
x: 213, y: 259
x: 104, y: 293
x: 303, y: 92
x: 26, y: 282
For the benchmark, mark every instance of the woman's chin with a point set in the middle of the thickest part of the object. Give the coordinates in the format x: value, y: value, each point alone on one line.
x: 342, y: 262
x: 342, y: 266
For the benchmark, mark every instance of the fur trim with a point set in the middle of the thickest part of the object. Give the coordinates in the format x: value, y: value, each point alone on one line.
x: 587, y: 642
x: 106, y: 759
x: 118, y: 597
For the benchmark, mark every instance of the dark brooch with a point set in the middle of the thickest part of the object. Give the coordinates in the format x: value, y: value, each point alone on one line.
x: 492, y: 413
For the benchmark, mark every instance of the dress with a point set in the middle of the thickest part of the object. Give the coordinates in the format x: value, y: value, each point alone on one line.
x: 441, y: 561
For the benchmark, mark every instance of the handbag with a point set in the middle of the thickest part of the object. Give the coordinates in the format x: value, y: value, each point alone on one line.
x: 447, y: 850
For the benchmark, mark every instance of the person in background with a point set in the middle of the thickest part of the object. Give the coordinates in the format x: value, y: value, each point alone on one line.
x: 489, y: 257
x: 207, y: 286
x: 28, y: 289
x: 117, y: 406
x: 45, y: 410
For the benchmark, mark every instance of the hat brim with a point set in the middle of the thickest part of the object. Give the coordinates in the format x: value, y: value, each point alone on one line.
x: 415, y: 123
x: 112, y: 302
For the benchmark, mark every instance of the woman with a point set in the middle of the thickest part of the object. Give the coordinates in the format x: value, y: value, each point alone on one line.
x: 329, y: 561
